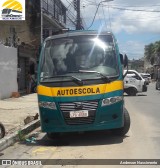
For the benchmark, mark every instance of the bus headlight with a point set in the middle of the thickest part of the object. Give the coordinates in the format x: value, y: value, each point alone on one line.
x: 49, y: 105
x: 111, y: 100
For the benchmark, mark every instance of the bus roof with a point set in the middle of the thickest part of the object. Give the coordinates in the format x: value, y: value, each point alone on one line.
x: 79, y: 33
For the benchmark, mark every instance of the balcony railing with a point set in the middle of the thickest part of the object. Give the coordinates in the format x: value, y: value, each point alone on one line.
x: 56, y: 9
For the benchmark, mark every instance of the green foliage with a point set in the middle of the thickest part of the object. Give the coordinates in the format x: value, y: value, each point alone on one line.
x: 151, y: 50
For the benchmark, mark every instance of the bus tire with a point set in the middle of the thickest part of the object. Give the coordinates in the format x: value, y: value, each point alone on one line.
x: 122, y: 131
x: 52, y: 135
x: 132, y: 92
x: 2, y: 131
x: 156, y: 86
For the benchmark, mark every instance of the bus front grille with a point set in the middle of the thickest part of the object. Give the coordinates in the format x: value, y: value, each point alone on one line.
x: 90, y: 106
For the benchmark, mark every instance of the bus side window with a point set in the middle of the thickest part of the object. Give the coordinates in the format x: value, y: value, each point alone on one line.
x: 48, y: 61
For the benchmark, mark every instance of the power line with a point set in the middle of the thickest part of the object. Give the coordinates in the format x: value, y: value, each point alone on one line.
x: 135, y: 10
x: 142, y: 17
x: 98, y: 14
x: 70, y: 15
x: 135, y: 20
x: 94, y: 16
x: 118, y: 6
x: 136, y: 6
x: 104, y: 16
x: 70, y: 3
x: 123, y: 8
x: 78, y: 18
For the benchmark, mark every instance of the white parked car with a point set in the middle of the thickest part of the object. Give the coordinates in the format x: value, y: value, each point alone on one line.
x: 134, y: 83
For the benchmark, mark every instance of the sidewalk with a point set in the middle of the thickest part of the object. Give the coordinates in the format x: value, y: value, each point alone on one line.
x: 13, y: 111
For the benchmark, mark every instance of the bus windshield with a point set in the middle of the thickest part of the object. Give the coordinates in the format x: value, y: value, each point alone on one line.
x: 73, y: 55
x: 5, y: 11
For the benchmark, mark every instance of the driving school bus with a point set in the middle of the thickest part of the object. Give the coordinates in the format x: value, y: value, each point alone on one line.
x: 10, y: 12
x: 80, y: 84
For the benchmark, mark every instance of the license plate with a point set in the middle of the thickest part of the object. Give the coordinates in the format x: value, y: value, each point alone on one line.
x: 81, y: 113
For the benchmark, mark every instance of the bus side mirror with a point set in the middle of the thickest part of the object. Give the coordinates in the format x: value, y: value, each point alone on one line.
x: 121, y: 58
x: 125, y: 61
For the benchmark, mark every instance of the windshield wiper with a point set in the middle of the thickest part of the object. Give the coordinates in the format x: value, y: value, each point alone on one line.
x: 104, y: 77
x: 75, y: 79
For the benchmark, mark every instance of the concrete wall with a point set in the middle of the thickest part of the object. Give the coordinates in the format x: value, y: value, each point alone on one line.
x: 8, y: 71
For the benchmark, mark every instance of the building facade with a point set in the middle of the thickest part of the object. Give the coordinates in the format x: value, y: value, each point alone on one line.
x: 43, y: 18
x: 25, y: 37
x: 53, y: 17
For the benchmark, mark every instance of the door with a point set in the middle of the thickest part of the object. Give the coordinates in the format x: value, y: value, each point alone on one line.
x: 136, y: 80
x: 22, y: 74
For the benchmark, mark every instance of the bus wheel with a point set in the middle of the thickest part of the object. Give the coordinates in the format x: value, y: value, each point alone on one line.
x: 52, y: 135
x: 156, y: 86
x: 132, y: 92
x: 122, y: 131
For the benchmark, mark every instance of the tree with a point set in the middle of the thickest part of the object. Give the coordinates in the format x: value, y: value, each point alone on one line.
x: 157, y: 47
x: 151, y: 51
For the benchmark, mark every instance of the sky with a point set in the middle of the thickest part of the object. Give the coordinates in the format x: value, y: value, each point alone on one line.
x: 134, y: 23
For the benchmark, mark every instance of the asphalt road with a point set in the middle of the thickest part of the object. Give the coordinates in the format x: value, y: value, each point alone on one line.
x: 141, y: 142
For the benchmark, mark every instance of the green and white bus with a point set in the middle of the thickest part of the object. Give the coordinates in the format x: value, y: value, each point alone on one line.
x: 11, y: 13
x: 80, y: 84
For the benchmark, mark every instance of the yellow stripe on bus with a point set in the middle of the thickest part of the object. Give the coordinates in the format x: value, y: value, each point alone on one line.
x: 80, y: 90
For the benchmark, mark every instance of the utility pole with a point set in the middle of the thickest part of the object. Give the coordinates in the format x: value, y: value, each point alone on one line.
x: 78, y: 23
x: 41, y: 9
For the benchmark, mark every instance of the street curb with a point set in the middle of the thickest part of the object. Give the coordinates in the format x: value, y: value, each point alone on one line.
x: 12, y: 138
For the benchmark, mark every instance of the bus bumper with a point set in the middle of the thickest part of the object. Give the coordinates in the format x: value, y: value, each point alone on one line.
x: 109, y: 117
